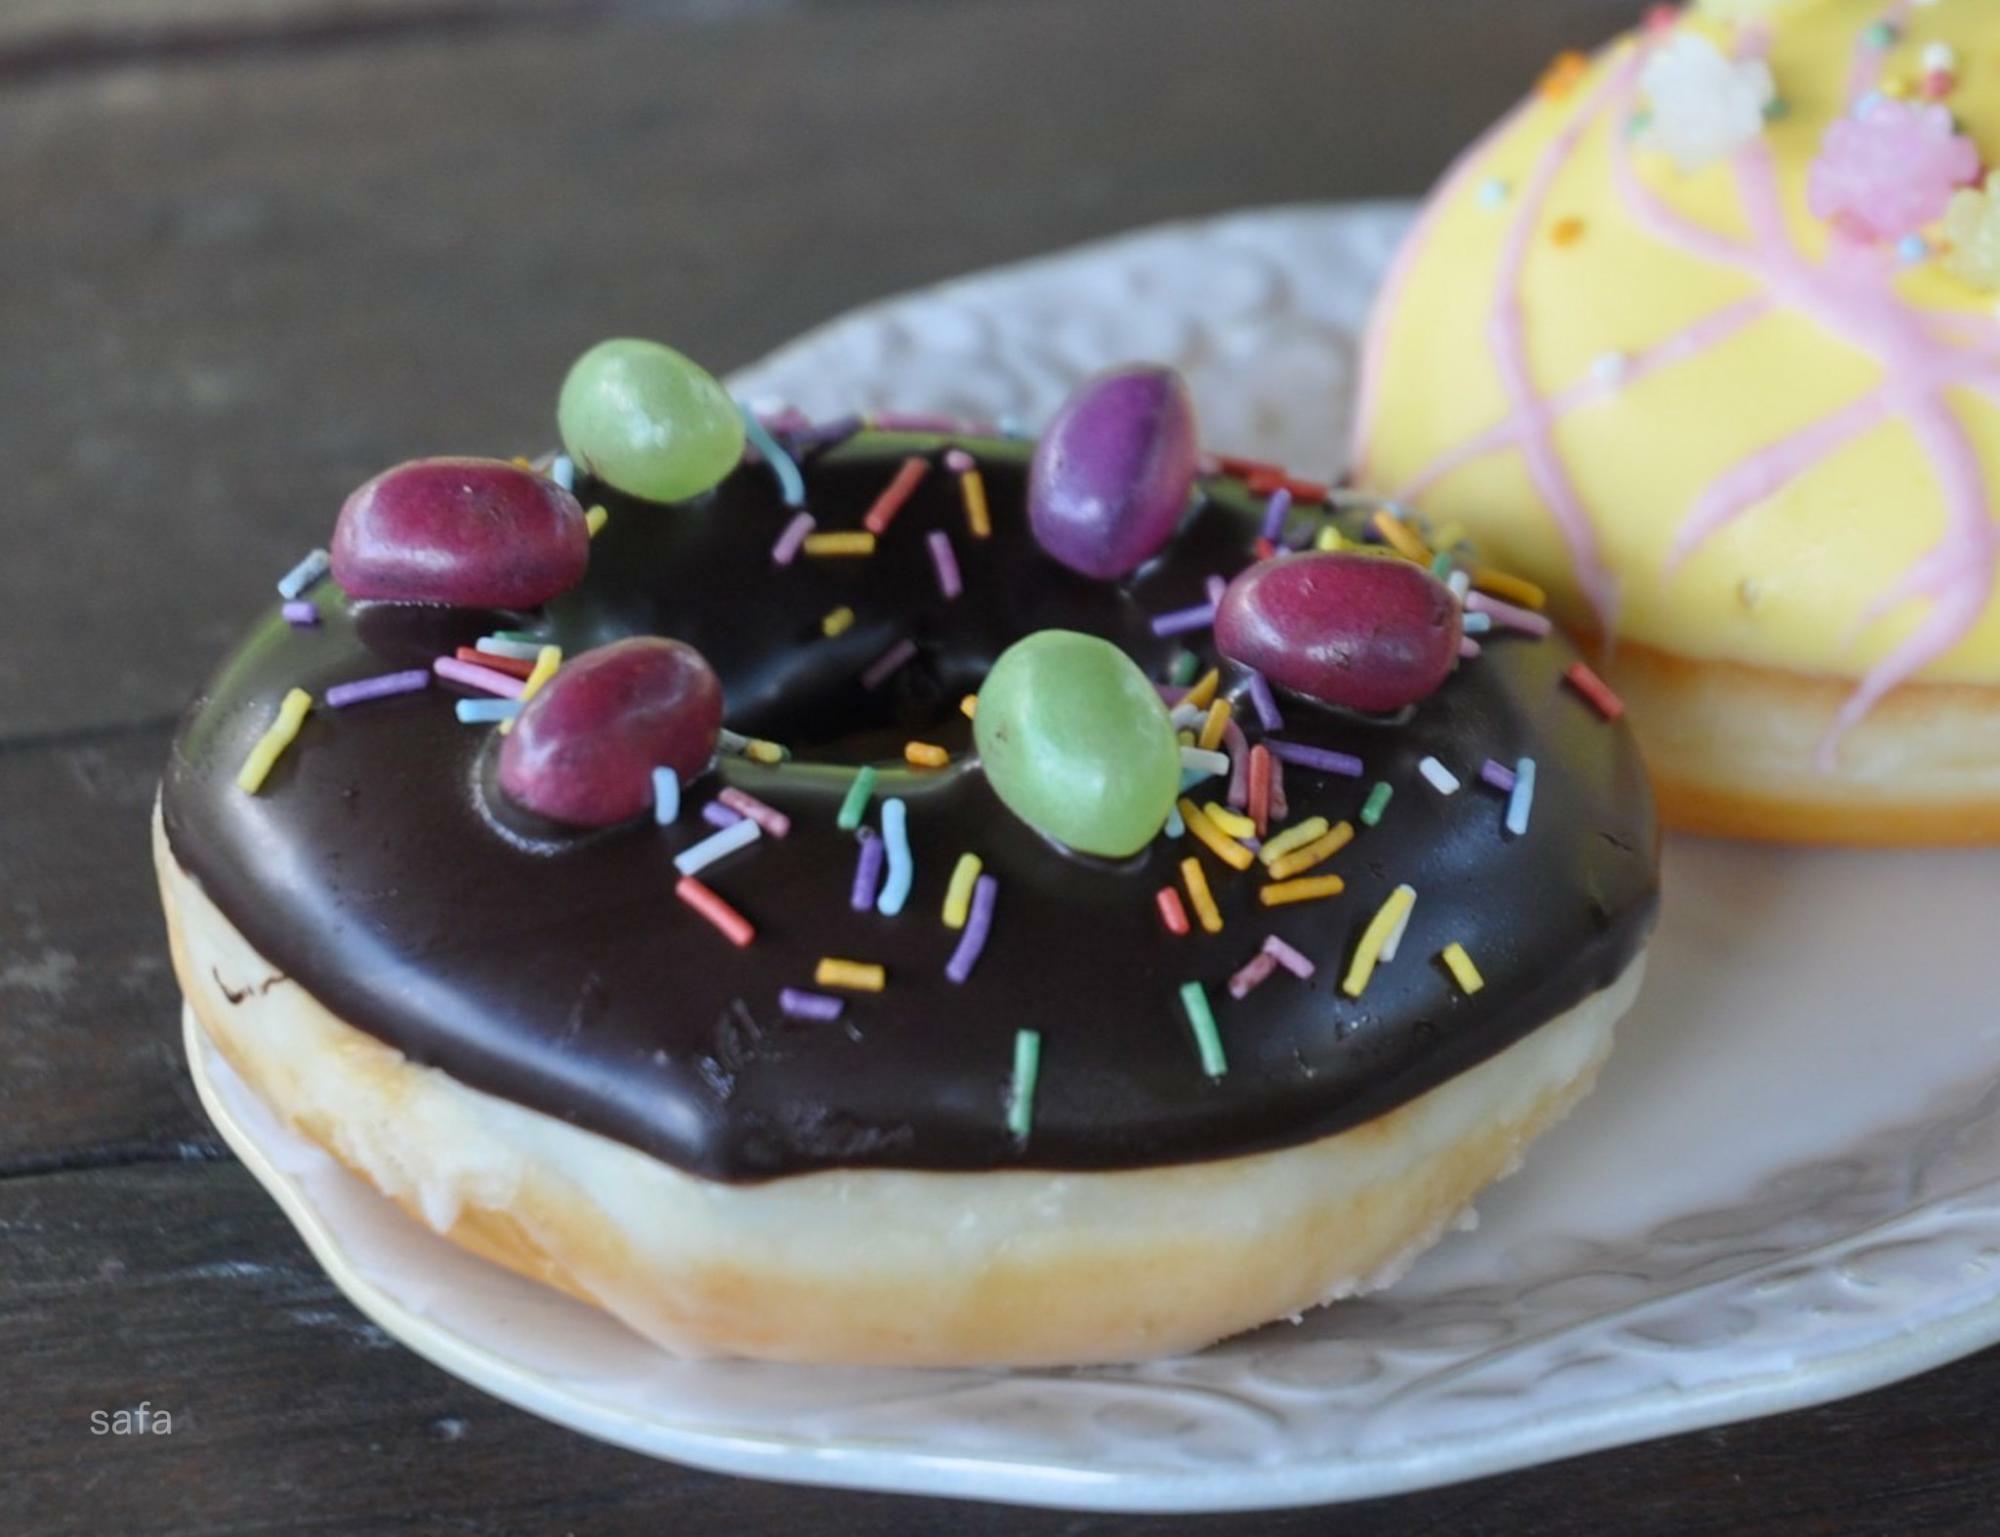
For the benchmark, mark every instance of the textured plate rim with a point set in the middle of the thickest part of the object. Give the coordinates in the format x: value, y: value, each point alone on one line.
x: 857, y: 1464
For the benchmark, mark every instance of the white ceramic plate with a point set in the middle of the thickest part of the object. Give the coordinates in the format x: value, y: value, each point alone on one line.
x: 1786, y: 1188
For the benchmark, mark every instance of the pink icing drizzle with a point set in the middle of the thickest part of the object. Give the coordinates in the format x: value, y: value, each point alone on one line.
x: 1852, y: 293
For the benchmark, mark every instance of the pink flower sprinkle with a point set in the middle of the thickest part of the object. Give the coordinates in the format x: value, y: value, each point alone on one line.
x: 1889, y: 170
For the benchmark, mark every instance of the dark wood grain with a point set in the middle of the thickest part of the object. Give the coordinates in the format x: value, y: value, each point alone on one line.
x: 252, y: 250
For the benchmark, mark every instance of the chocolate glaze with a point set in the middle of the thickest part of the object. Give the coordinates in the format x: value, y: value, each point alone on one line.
x: 560, y: 972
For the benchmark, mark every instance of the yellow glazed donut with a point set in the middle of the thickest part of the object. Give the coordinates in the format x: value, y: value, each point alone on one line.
x: 1704, y: 338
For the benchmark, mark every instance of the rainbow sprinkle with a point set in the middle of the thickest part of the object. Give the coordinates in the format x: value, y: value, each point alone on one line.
x: 1497, y: 774
x: 1265, y: 704
x: 1288, y: 958
x: 485, y: 712
x: 978, y: 924
x: 1320, y: 759
x: 1172, y: 913
x: 715, y: 814
x: 894, y: 495
x: 1387, y: 921
x: 734, y: 926
x: 1021, y: 1092
x: 1198, y: 893
x: 1521, y: 800
x: 1218, y: 843
x: 837, y: 622
x: 383, y: 686
x: 789, y: 542
x: 855, y: 806
x: 1596, y: 690
x: 666, y: 797
x: 902, y: 868
x: 840, y: 542
x: 1252, y: 974
x: 492, y: 680
x: 791, y: 484
x: 1509, y: 616
x: 305, y: 575
x: 698, y: 857
x: 1182, y: 621
x: 1377, y: 803
x: 1440, y: 778
x: 958, y: 895
x: 547, y: 660
x: 867, y: 871
x: 1463, y: 972
x: 276, y: 738
x: 1312, y: 889
x: 944, y: 561
x: 770, y: 818
x: 513, y: 650
x: 1297, y: 861
x: 1278, y: 845
x: 800, y: 1004
x: 594, y: 521
x: 926, y: 755
x: 299, y: 614
x: 855, y: 976
x: 1201, y: 1018
x: 890, y: 662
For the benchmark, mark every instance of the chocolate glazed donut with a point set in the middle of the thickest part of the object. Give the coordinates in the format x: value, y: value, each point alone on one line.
x: 382, y: 872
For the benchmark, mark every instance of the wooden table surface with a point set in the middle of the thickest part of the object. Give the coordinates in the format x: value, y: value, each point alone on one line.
x: 252, y: 251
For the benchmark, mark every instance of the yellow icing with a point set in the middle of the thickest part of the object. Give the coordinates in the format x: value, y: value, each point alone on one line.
x: 1782, y: 585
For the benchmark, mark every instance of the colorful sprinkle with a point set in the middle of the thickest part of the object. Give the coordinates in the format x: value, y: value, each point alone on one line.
x: 1311, y: 889
x: 1265, y: 704
x: 1377, y: 803
x: 1185, y: 665
x: 1320, y: 759
x: 757, y: 750
x: 1596, y: 690
x: 1509, y: 588
x: 276, y: 738
x: 1201, y: 1018
x: 788, y: 543
x: 299, y: 614
x: 902, y: 868
x: 867, y: 870
x: 968, y: 706
x: 511, y: 666
x: 1288, y: 958
x: 492, y: 681
x: 1172, y: 913
x: 1205, y: 910
x: 666, y: 797
x: 503, y: 646
x: 1463, y: 972
x: 885, y: 666
x: 855, y: 806
x: 1278, y: 845
x: 800, y: 1004
x: 1209, y: 765
x: 1252, y: 974
x: 1275, y: 511
x: 485, y: 712
x: 791, y: 484
x: 1440, y: 778
x: 1402, y: 926
x: 958, y: 895
x: 1509, y: 615
x: 1566, y: 231
x: 972, y: 490
x: 839, y: 542
x: 546, y: 664
x: 562, y: 470
x: 978, y: 925
x: 1400, y: 537
x: 1258, y: 789
x: 1387, y: 920
x: 734, y: 926
x: 1237, y: 745
x: 1204, y: 689
x: 699, y: 856
x: 770, y: 818
x: 837, y: 622
x: 1021, y: 1091
x: 1497, y: 774
x: 1220, y: 844
x: 1214, y: 725
x: 1522, y: 799
x: 894, y: 495
x: 382, y: 686
x: 1317, y: 852
x: 944, y: 561
x: 854, y: 976
x: 296, y: 582
x: 715, y: 814
x: 1181, y: 621
x: 594, y: 520
x: 1233, y: 823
